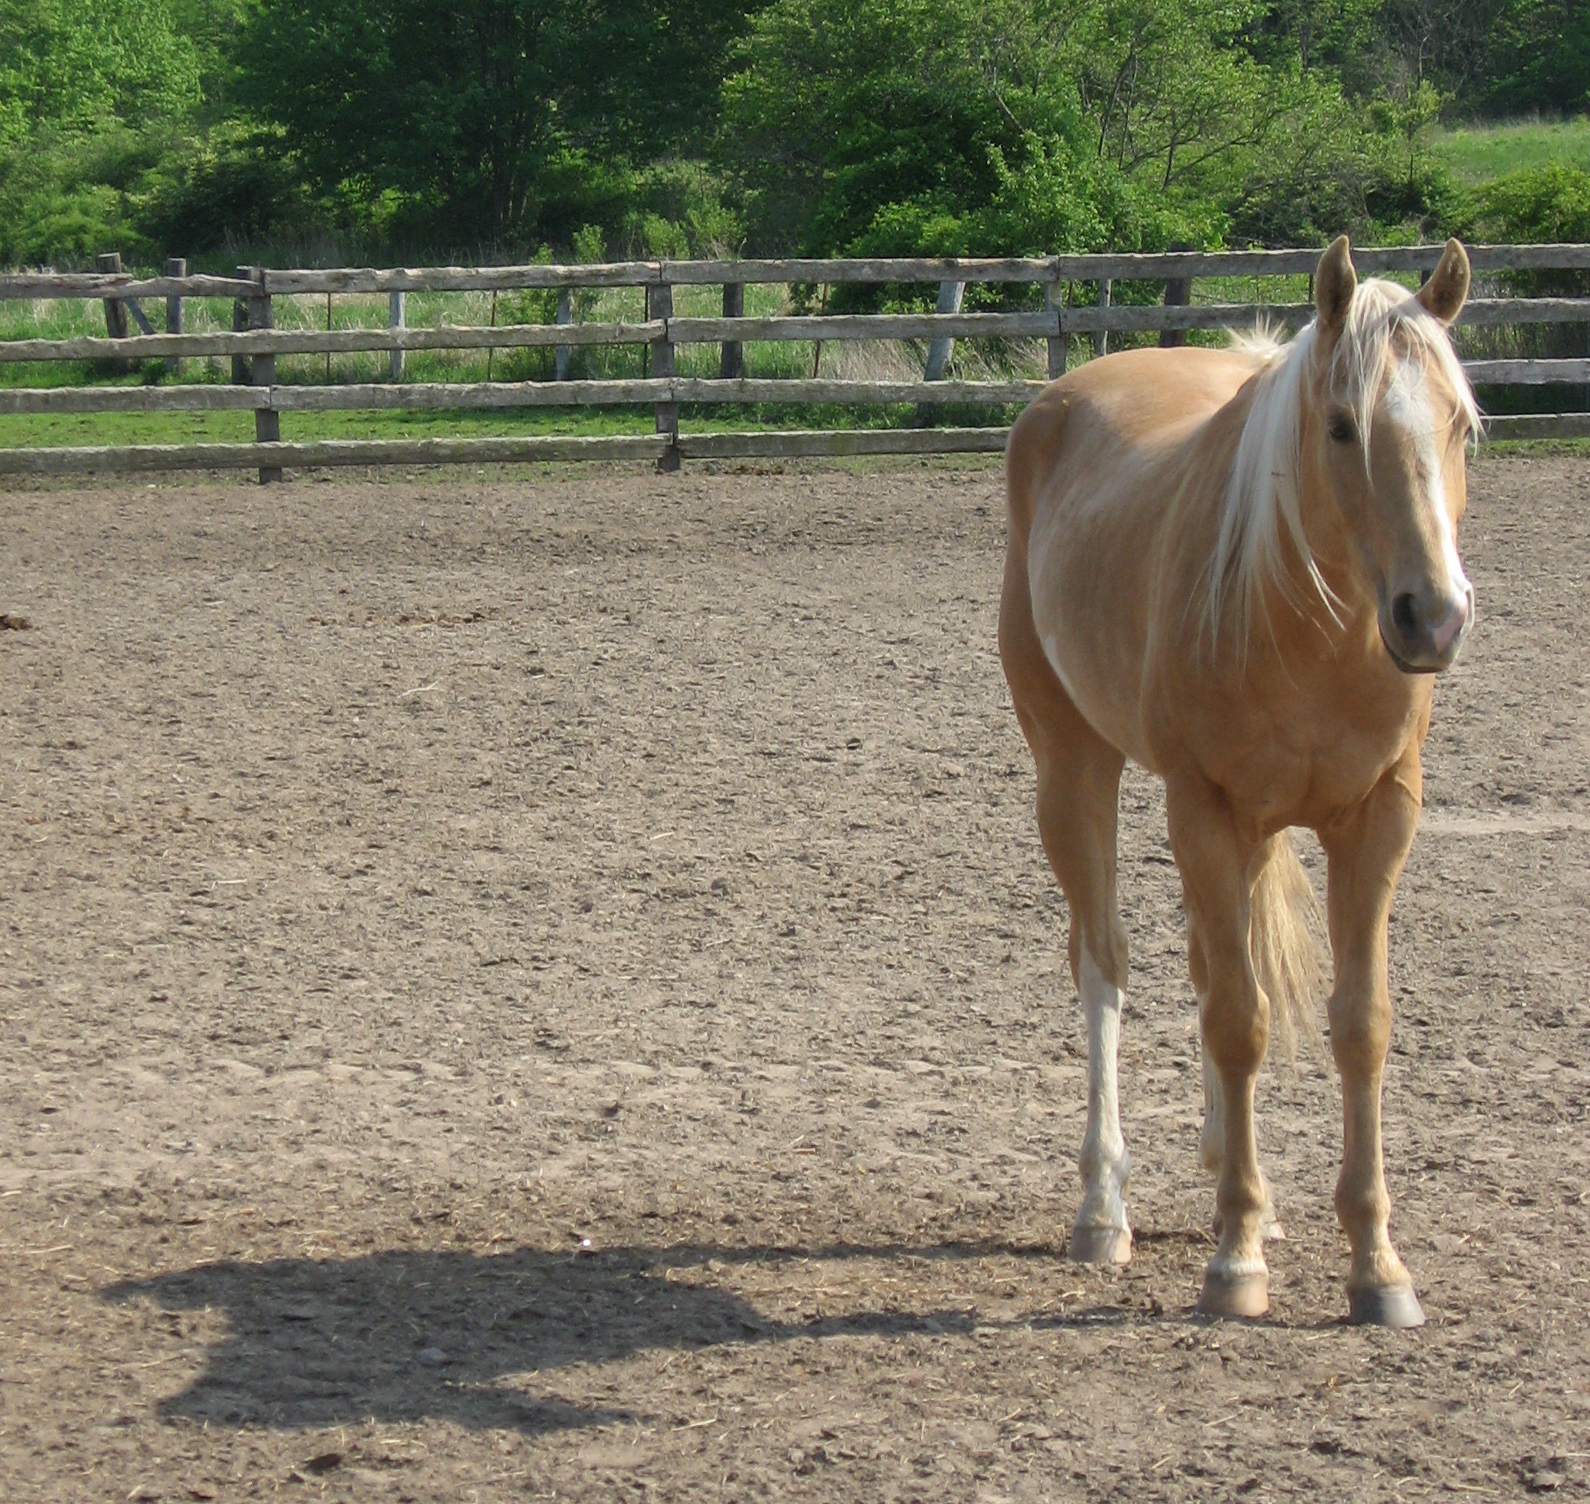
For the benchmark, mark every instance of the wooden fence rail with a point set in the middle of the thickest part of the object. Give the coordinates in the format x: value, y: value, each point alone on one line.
x: 254, y: 342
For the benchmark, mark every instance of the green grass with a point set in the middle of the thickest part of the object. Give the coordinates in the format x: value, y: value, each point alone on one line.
x: 1478, y: 153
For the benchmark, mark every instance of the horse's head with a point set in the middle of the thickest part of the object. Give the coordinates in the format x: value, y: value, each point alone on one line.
x: 1386, y: 434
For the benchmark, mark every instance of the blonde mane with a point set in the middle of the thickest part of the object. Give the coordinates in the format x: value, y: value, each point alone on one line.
x: 1263, y: 501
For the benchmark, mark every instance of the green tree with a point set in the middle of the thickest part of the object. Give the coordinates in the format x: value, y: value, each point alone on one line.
x: 491, y: 118
x: 1491, y: 57
x: 1000, y: 125
x: 91, y: 94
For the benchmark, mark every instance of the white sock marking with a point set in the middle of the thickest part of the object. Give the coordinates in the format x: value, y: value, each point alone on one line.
x: 1105, y: 1164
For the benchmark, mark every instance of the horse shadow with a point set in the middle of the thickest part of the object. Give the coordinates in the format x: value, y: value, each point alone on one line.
x: 409, y: 1335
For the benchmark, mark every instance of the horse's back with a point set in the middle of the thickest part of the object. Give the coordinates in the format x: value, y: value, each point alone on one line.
x: 1138, y: 404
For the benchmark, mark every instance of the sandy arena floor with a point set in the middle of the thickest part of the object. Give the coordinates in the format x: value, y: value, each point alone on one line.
x: 548, y: 986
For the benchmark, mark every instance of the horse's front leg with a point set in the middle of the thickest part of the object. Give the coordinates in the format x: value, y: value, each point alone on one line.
x: 1215, y: 857
x: 1212, y: 1136
x: 1365, y: 850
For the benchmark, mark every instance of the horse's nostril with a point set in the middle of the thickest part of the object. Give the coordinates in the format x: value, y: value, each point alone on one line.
x: 1404, y: 615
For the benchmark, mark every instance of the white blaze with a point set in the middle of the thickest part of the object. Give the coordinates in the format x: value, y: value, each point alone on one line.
x: 1407, y: 405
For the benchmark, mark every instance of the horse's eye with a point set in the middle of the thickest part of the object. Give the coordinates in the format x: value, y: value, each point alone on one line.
x: 1340, y: 428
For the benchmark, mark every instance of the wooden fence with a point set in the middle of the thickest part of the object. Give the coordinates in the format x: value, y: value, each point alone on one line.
x: 254, y: 343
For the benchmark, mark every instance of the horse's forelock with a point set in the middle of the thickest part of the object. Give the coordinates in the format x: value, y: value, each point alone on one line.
x: 1387, y: 324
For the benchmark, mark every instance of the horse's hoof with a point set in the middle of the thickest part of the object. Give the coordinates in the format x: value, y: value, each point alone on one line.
x: 1273, y: 1232
x: 1234, y: 1294
x: 1100, y: 1245
x: 1384, y: 1305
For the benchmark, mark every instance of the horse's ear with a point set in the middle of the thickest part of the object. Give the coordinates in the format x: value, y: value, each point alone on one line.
x: 1335, y: 282
x: 1448, y: 286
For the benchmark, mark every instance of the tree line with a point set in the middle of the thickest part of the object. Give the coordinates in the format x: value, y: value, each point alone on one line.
x: 490, y: 128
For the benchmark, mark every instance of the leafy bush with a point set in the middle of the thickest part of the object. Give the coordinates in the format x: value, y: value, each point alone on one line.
x: 1539, y: 204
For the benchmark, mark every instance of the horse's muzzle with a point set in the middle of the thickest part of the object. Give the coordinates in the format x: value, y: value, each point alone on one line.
x: 1423, y: 634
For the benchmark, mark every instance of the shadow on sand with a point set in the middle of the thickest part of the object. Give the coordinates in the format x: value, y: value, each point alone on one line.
x: 410, y: 1335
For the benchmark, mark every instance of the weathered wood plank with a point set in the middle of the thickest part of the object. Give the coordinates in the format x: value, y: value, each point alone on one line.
x: 825, y: 389
x: 422, y: 396
x: 1370, y: 260
x: 1526, y: 311
x: 332, y: 341
x: 464, y: 278
x: 799, y: 443
x: 17, y: 285
x: 132, y: 399
x: 648, y: 391
x: 837, y: 326
x: 949, y: 326
x: 1138, y: 317
x: 145, y: 457
x: 1527, y: 372
x: 864, y: 269
x: 1538, y: 426
x: 426, y: 395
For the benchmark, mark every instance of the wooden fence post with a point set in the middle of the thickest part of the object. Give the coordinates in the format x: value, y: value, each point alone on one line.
x: 240, y: 363
x: 1054, y: 301
x: 940, y: 347
x: 176, y: 266
x: 267, y: 425
x: 115, y: 309
x: 561, y: 353
x: 1101, y: 337
x: 732, y: 365
x: 1178, y: 294
x: 660, y: 305
x: 397, y: 318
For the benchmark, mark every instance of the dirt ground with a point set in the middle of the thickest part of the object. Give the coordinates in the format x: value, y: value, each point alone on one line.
x: 548, y: 986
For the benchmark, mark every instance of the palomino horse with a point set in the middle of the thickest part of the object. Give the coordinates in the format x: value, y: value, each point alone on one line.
x: 1239, y: 569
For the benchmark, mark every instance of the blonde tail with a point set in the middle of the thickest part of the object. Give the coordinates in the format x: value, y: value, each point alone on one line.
x: 1287, y: 954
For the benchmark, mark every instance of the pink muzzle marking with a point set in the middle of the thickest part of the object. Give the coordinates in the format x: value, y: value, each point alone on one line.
x: 1456, y: 619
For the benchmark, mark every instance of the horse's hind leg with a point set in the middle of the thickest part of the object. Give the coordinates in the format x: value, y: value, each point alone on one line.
x: 1079, y: 778
x: 1077, y: 819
